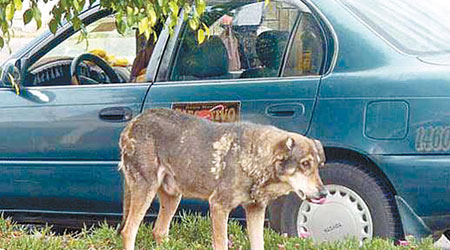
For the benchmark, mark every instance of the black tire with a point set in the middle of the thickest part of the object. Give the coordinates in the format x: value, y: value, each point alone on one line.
x: 447, y: 234
x: 370, y: 187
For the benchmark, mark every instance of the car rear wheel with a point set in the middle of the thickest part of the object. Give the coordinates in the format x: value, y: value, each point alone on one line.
x: 359, y: 205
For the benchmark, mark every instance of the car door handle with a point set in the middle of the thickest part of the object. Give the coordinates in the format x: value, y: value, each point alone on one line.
x: 282, y: 113
x: 285, y: 110
x: 116, y: 114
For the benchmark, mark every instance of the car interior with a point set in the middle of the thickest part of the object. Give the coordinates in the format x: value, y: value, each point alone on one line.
x: 250, y: 46
x: 239, y: 46
x: 105, y: 57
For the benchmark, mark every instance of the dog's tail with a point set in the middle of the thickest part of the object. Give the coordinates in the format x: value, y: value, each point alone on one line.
x: 127, y: 147
x: 126, y: 144
x: 126, y: 206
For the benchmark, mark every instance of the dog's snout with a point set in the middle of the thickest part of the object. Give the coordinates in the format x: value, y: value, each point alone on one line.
x: 323, y: 192
x: 319, y: 197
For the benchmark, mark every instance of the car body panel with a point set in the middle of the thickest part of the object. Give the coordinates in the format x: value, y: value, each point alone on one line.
x: 56, y: 148
x: 427, y: 195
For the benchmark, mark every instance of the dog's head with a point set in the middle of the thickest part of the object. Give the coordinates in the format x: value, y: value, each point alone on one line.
x: 297, y: 162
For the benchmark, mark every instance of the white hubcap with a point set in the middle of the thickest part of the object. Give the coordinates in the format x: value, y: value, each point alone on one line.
x: 344, y: 214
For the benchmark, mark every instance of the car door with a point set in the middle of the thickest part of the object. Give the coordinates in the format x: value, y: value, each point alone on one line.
x: 260, y: 63
x: 59, y: 142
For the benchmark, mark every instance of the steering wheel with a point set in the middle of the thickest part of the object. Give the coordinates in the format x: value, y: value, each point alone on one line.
x: 75, y: 69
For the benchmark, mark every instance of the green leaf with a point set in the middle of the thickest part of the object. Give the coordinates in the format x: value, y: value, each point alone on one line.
x: 76, y: 23
x: 82, y: 3
x: 14, y: 84
x: 130, y: 20
x: 173, y: 7
x: 143, y: 25
x: 27, y: 16
x: 152, y: 16
x: 193, y: 23
x: 201, y: 36
x: 121, y: 27
x: 130, y: 11
x: 53, y: 25
x: 147, y: 34
x: 2, y: 42
x: 76, y: 5
x: 208, y: 32
x: 188, y: 10
x: 160, y: 3
x: 37, y: 17
x: 38, y: 23
x: 201, y: 6
x: 155, y: 36
x: 9, y: 11
x: 18, y: 4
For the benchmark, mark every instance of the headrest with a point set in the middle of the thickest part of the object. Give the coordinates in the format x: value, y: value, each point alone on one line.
x: 209, y: 59
x: 270, y: 46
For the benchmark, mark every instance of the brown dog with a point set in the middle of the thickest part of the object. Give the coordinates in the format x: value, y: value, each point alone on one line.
x: 172, y: 154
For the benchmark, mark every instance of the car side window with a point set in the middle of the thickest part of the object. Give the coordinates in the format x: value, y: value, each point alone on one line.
x: 103, y: 41
x: 247, y: 42
x: 307, y: 50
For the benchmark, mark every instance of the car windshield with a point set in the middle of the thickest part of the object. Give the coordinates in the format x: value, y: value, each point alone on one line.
x: 415, y: 27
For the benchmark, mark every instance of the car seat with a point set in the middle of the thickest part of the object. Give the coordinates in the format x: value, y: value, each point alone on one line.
x: 202, y: 61
x: 270, y: 46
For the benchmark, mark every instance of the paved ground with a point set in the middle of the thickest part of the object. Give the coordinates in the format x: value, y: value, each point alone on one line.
x: 443, y: 243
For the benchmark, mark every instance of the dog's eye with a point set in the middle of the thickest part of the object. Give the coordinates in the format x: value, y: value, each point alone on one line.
x: 306, y: 164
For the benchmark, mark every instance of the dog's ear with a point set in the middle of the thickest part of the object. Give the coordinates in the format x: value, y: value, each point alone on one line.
x: 318, y: 149
x: 283, y: 148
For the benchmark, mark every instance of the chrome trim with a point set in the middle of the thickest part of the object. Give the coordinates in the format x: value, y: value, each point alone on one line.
x: 81, y: 86
x: 239, y: 80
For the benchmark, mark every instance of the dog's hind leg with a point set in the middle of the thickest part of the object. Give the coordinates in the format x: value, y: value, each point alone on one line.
x: 255, y: 225
x: 168, y: 205
x: 219, y: 219
x: 141, y: 196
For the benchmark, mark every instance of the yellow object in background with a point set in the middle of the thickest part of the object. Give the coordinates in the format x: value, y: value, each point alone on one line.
x: 307, y: 61
x: 99, y: 52
x: 110, y: 59
x: 120, y: 62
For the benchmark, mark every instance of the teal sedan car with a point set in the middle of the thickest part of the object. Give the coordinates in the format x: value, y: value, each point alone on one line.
x: 370, y: 79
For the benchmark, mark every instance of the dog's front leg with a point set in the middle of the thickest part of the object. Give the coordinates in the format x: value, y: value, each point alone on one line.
x: 219, y: 219
x: 255, y: 224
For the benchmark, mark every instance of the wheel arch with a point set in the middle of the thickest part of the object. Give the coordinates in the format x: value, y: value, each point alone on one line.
x: 334, y: 154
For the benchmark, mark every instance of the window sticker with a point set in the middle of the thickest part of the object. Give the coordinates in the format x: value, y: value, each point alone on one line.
x: 213, y: 111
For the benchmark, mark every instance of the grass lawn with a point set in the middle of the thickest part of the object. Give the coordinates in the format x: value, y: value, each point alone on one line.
x: 191, y: 232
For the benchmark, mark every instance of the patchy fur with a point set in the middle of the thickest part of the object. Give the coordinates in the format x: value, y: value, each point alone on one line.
x: 221, y: 149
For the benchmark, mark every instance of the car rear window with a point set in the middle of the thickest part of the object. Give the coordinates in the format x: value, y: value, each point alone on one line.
x: 415, y: 27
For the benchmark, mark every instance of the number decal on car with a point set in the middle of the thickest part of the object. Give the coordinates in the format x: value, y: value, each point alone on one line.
x: 433, y: 139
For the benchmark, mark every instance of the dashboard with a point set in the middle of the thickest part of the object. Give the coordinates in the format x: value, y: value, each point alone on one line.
x: 56, y: 72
